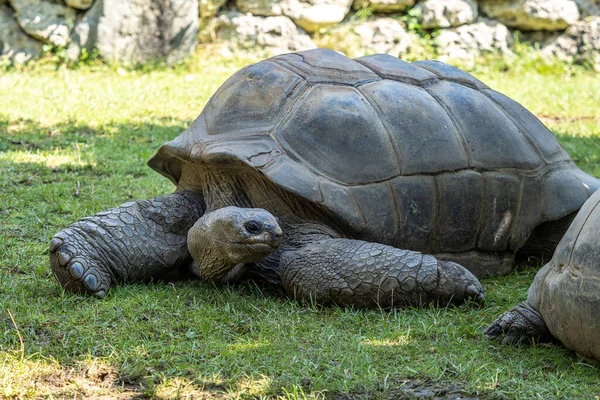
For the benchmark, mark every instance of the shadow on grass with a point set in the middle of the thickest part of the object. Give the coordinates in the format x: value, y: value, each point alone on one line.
x: 36, y: 158
x: 30, y: 135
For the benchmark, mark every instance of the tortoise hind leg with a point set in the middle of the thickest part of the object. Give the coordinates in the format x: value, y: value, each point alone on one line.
x: 136, y: 241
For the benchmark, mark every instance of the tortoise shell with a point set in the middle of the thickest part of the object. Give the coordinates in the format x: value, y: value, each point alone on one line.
x: 421, y: 155
x: 567, y: 290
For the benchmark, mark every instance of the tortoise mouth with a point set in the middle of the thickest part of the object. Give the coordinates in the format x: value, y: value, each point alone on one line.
x: 260, y: 246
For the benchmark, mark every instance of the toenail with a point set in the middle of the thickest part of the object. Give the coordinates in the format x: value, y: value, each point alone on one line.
x: 472, y: 290
x: 76, y: 270
x: 64, y: 257
x: 55, y: 244
x: 63, y: 235
x: 100, y: 293
x: 91, y: 282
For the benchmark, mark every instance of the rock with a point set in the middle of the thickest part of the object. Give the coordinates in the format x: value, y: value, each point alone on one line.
x: 534, y: 15
x: 45, y: 20
x: 384, y: 6
x: 271, y: 35
x: 588, y: 7
x: 580, y: 43
x: 310, y: 15
x: 15, y: 45
x: 436, y: 14
x: 138, y: 31
x: 315, y: 17
x: 358, y: 38
x: 264, y: 8
x: 468, y: 42
x: 209, y: 8
x: 79, y: 4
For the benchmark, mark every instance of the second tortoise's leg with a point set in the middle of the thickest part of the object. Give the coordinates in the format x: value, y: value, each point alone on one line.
x: 363, y: 274
x: 520, y: 324
x: 136, y: 241
x: 523, y: 322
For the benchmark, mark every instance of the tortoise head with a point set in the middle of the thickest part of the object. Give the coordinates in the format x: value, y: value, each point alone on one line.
x: 232, y: 235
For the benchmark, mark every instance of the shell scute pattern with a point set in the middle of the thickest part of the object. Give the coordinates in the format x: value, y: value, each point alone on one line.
x: 380, y: 112
x: 321, y: 66
x: 251, y: 101
x: 438, y: 109
x: 561, y: 192
x: 490, y: 138
x: 451, y: 73
x: 541, y: 138
x: 500, y: 219
x: 392, y: 68
x: 460, y: 206
x: 417, y: 127
x: 416, y: 201
x: 342, y: 144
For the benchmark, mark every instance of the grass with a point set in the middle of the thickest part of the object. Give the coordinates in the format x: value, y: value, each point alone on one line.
x: 74, y: 142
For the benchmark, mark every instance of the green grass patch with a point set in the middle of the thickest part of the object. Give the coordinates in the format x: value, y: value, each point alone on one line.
x: 75, y: 141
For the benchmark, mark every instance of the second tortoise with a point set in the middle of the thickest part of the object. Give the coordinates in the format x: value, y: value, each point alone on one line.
x: 564, y: 300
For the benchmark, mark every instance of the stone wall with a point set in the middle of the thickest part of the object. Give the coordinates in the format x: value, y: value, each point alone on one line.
x: 128, y: 31
x: 167, y: 30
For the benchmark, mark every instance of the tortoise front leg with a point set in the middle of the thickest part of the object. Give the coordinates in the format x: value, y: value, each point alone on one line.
x: 133, y: 242
x: 363, y: 274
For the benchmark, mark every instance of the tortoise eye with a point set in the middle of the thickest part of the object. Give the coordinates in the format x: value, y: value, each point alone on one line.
x: 253, y: 227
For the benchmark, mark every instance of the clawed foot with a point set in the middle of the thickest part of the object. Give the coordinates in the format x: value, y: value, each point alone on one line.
x: 521, y: 324
x: 75, y: 264
x: 457, y: 284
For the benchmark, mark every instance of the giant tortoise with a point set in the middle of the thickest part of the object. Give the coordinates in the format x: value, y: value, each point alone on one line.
x: 311, y: 171
x: 564, y: 300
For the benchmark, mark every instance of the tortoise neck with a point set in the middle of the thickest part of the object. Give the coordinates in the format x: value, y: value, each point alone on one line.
x: 210, y: 261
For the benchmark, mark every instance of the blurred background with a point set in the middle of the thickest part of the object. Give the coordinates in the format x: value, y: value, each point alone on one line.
x: 166, y: 31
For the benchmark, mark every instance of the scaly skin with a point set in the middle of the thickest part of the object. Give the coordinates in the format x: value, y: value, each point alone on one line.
x: 363, y: 274
x: 134, y: 242
x: 521, y: 323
